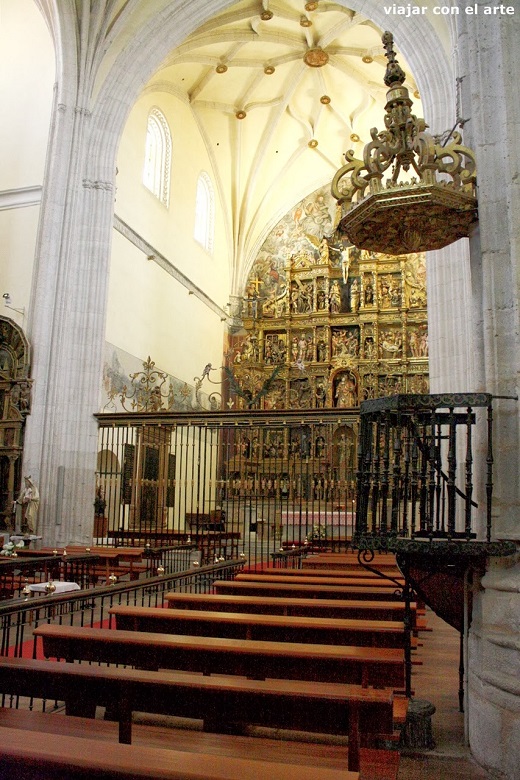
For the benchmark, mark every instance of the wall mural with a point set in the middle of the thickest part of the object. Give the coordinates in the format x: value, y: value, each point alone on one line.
x: 338, y: 324
x: 134, y: 385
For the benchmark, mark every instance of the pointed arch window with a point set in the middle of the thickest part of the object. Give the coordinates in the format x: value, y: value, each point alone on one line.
x: 204, y: 212
x: 158, y: 152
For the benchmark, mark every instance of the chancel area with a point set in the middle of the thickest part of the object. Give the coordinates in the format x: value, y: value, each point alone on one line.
x: 258, y: 382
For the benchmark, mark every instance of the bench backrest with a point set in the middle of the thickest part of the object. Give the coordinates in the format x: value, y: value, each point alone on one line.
x: 309, y: 590
x: 279, y: 628
x: 349, y: 570
x: 303, y: 579
x: 347, y: 608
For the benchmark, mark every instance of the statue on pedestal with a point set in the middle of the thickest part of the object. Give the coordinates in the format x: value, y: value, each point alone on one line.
x: 26, y: 507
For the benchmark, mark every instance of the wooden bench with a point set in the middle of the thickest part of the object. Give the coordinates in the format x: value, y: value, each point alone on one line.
x: 25, y: 755
x: 120, y: 561
x: 349, y: 571
x: 303, y: 579
x: 380, y: 667
x: 270, y: 605
x: 363, y: 714
x: 141, y: 537
x: 309, y: 590
x: 215, y: 520
x: 375, y: 763
x: 340, y: 560
x: 273, y: 628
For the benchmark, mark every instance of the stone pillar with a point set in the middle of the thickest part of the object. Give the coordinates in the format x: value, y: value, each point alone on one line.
x: 67, y: 313
x: 489, y: 62
x: 450, y: 318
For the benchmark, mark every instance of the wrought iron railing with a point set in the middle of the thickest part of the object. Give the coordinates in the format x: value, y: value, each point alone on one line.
x: 31, y: 567
x: 289, y: 559
x: 16, y: 573
x: 231, y: 482
x: 91, y: 607
x: 420, y: 460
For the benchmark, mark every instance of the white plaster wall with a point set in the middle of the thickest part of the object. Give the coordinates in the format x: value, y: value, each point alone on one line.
x: 450, y: 320
x: 170, y: 230
x: 26, y: 91
x: 27, y: 73
x: 18, y: 230
x: 150, y: 313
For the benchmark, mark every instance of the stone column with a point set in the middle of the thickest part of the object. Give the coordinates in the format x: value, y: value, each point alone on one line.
x: 450, y: 318
x: 489, y: 65
x: 67, y: 313
x: 489, y: 62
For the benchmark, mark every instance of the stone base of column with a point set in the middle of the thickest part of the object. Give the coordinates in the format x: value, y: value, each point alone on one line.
x: 417, y: 731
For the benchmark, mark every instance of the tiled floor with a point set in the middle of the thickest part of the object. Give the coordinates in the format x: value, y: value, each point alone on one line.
x: 437, y: 681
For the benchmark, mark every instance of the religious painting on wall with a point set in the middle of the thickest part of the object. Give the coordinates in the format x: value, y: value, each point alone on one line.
x: 132, y: 384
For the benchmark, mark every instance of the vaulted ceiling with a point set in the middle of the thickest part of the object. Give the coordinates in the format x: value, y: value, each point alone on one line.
x: 279, y: 91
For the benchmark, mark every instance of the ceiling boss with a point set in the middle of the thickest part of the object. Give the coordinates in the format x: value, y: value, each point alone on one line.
x: 383, y: 211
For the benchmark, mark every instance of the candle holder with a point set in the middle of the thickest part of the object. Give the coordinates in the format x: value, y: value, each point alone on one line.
x: 26, y: 591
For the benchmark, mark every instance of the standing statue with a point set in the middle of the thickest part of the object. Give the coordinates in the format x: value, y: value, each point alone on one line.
x: 324, y: 251
x: 345, y: 263
x: 25, y: 507
x: 346, y: 392
x: 354, y: 296
x: 335, y: 297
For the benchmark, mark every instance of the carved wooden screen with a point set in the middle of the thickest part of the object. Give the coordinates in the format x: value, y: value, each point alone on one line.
x: 15, y: 402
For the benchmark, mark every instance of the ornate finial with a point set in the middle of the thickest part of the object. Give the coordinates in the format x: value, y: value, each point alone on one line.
x: 394, y: 73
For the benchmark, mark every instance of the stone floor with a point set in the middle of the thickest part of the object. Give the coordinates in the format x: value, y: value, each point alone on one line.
x: 436, y: 681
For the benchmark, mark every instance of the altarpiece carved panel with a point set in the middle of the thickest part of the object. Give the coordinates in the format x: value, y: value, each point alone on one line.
x: 329, y: 317
x: 15, y: 405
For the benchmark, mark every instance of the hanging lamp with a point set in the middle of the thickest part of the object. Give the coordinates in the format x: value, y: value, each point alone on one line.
x: 409, y: 193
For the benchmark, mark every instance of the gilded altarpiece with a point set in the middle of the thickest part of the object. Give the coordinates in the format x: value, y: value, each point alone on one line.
x: 324, y: 326
x: 328, y: 325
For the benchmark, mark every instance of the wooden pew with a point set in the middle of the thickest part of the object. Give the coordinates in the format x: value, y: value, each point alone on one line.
x: 269, y: 605
x: 306, y: 590
x: 26, y: 756
x: 271, y: 628
x: 340, y: 560
x: 329, y: 708
x: 380, y: 667
x: 349, y: 571
x: 115, y: 560
x: 303, y: 579
x: 214, y: 520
